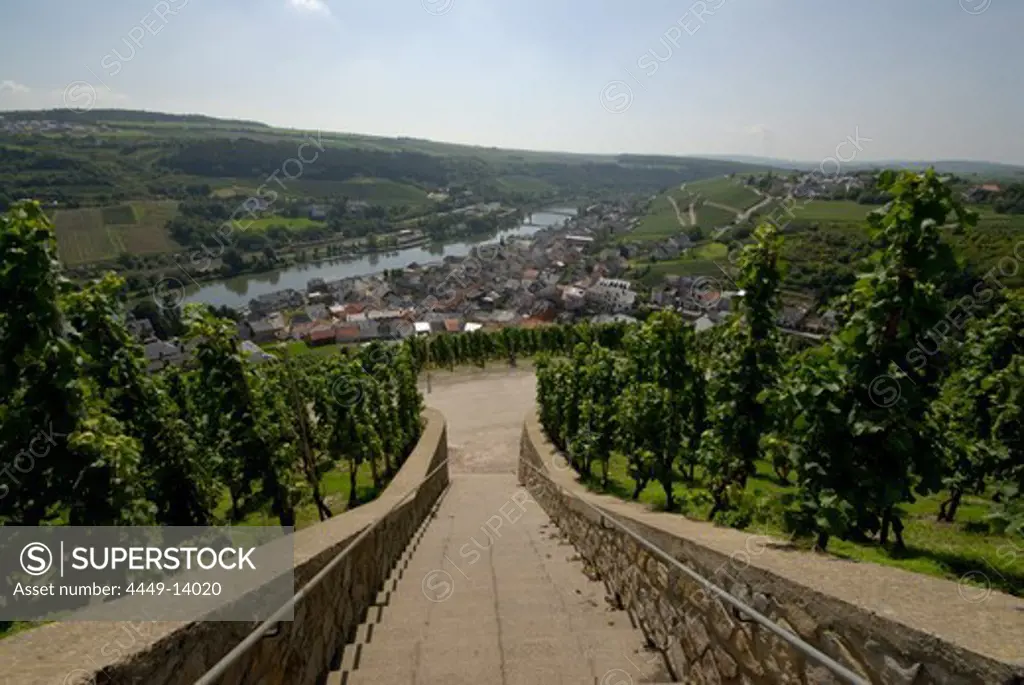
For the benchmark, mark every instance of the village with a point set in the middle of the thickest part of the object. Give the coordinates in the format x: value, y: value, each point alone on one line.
x: 560, y: 274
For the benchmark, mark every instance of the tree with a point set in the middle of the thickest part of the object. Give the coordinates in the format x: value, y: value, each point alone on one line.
x: 978, y: 413
x: 166, y: 472
x: 743, y: 368
x: 862, y: 443
x: 50, y: 403
x: 233, y: 260
x: 241, y: 420
x: 642, y: 409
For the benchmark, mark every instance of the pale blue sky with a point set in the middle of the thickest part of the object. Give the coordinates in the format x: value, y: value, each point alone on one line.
x: 922, y: 79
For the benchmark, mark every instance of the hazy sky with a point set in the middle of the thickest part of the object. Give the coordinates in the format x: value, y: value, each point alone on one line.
x: 921, y: 79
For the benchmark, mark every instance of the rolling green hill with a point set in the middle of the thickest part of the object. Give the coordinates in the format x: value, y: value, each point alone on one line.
x: 112, y: 156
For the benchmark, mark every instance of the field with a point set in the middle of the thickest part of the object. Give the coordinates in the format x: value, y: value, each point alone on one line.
x: 661, y: 221
x: 938, y: 549
x: 120, y: 215
x: 833, y: 250
x: 95, y: 234
x: 838, y: 211
x: 373, y: 190
x: 724, y: 191
x: 292, y: 224
x: 709, y: 217
x: 699, y: 261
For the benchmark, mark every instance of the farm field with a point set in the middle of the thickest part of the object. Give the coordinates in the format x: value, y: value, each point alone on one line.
x: 372, y: 190
x: 834, y: 249
x: 660, y: 221
x: 840, y: 211
x: 703, y: 260
x: 725, y: 191
x: 102, y: 233
x: 709, y: 217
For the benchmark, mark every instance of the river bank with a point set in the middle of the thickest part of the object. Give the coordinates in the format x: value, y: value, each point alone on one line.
x: 236, y: 292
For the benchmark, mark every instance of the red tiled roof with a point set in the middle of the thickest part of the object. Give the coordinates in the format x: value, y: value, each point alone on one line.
x: 321, y: 333
x: 452, y: 325
x: 355, y: 308
x: 346, y: 333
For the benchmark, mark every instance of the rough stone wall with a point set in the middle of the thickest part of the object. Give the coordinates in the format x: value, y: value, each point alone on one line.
x: 708, y: 641
x: 151, y: 653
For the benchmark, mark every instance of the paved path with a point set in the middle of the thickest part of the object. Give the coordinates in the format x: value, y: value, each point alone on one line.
x: 492, y: 594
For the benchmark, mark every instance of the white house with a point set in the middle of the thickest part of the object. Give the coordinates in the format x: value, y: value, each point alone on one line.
x: 612, y: 294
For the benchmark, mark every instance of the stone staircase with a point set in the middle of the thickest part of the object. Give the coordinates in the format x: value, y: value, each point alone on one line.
x: 488, y: 592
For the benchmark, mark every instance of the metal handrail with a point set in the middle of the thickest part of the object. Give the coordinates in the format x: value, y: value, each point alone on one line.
x: 271, y: 626
x: 795, y: 641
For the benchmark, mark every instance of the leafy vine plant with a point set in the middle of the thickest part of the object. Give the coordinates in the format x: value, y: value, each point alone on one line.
x: 702, y: 411
x: 857, y: 458
x: 130, y: 447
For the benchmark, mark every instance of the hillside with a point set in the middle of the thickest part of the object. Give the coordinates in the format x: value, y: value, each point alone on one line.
x: 110, y: 156
x: 949, y: 166
x: 825, y: 239
x: 123, y: 115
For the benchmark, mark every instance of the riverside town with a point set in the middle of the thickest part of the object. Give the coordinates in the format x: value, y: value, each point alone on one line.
x: 467, y: 343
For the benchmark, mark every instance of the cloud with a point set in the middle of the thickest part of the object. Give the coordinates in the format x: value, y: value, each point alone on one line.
x: 311, y: 6
x: 14, y: 87
x: 756, y: 130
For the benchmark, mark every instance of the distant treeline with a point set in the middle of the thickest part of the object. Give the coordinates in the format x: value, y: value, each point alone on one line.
x: 123, y: 115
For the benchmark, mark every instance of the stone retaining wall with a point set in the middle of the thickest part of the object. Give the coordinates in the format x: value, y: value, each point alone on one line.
x: 889, y: 626
x: 151, y: 653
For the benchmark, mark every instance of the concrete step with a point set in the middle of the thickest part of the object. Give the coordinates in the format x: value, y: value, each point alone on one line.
x: 364, y: 633
x: 354, y: 652
x: 394, y: 673
x: 351, y: 656
x: 554, y: 624
x: 433, y: 656
x: 382, y: 599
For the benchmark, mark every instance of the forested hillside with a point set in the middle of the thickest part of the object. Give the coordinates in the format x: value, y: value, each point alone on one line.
x: 113, y: 155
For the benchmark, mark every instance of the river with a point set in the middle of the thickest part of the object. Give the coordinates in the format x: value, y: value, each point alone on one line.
x: 236, y: 292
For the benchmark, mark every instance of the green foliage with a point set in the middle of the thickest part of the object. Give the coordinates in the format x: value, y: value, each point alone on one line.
x: 152, y: 155
x: 96, y: 439
x: 743, y: 370
x: 980, y: 413
x: 855, y: 429
x: 642, y: 403
x: 449, y: 351
x: 860, y: 442
x: 46, y: 397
